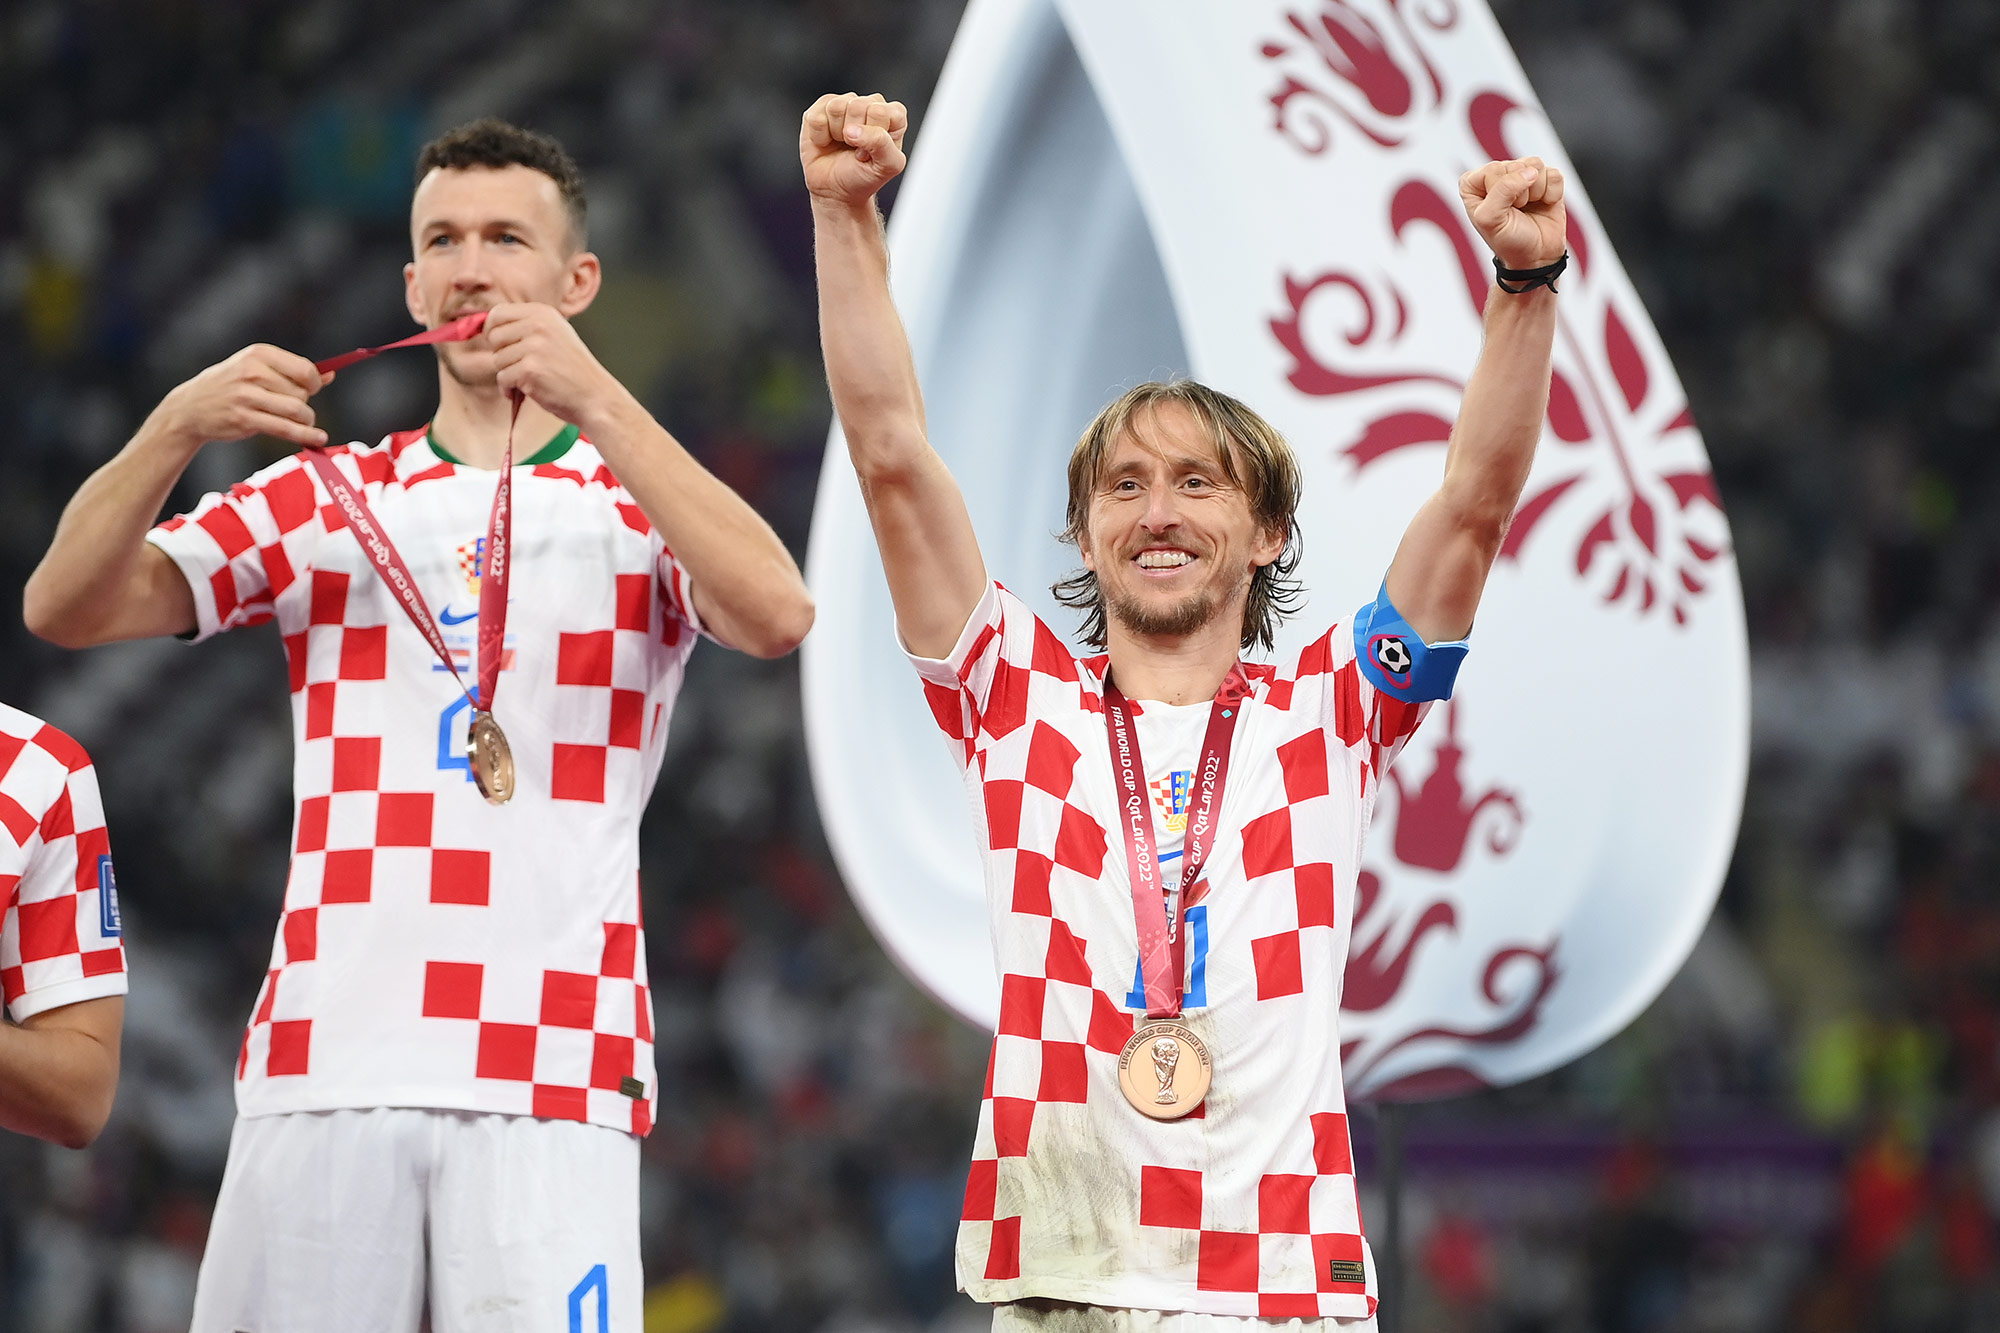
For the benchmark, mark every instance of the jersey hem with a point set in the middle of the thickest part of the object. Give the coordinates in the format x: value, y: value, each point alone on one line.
x: 256, y: 1107
x: 1152, y: 1296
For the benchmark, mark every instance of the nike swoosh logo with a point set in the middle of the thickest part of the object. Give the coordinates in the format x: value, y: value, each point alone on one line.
x: 448, y: 618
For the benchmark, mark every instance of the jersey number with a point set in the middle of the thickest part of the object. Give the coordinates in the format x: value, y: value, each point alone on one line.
x: 1197, y: 977
x: 595, y: 1280
x: 451, y: 734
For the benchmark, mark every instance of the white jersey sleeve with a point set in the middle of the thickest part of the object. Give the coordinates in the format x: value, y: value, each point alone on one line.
x: 60, y: 937
x: 241, y: 549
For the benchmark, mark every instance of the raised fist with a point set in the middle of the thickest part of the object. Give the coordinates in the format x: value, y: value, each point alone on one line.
x: 852, y: 146
x: 1518, y: 208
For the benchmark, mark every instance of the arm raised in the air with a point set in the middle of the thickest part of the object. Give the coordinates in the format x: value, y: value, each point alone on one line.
x: 1440, y: 568
x: 850, y: 148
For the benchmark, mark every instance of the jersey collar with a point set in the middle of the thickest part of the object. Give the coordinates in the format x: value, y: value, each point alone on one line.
x: 548, y: 453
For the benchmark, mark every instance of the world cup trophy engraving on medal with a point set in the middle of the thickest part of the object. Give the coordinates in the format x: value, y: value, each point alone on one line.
x: 1166, y: 1054
x: 492, y: 761
x: 1164, y: 1070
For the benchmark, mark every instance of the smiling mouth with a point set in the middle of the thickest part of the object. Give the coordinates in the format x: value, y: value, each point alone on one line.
x: 1159, y: 559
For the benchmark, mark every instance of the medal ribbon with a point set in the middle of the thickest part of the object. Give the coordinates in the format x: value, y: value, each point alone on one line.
x: 388, y: 561
x: 457, y: 331
x: 1159, y: 912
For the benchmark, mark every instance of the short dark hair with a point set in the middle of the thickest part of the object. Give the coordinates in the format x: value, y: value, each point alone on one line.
x: 492, y: 142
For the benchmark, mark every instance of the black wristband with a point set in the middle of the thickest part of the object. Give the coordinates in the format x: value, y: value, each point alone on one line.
x: 1529, y: 278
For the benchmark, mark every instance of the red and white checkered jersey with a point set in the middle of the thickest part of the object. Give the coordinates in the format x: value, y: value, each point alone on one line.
x: 437, y: 951
x: 1248, y: 1206
x: 59, y: 937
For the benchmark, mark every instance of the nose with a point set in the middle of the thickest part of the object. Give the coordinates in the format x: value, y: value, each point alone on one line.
x: 1161, y: 514
x: 471, y: 274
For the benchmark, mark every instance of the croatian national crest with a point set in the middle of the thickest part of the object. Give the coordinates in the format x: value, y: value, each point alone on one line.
x: 472, y: 562
x: 1170, y: 799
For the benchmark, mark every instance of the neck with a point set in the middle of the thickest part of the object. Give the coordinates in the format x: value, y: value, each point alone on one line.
x: 472, y: 421
x: 1183, y: 669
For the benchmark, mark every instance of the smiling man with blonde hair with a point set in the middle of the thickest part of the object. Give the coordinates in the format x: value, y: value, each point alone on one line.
x: 1171, y: 835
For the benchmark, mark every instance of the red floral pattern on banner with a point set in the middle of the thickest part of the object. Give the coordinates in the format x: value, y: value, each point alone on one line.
x: 1436, y: 824
x: 1340, y: 66
x: 1633, y: 507
x: 1641, y: 531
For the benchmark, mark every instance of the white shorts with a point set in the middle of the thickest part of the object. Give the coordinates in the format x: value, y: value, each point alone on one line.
x: 342, y: 1221
x: 1063, y: 1317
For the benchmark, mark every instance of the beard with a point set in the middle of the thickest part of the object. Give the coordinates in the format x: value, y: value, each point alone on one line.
x: 1191, y: 613
x: 1183, y: 618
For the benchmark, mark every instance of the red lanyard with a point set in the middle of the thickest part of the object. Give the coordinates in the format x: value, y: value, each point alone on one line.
x: 1158, y: 912
x: 457, y: 331
x: 388, y: 562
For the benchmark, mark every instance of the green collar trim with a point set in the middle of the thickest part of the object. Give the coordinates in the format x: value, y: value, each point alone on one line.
x: 548, y: 453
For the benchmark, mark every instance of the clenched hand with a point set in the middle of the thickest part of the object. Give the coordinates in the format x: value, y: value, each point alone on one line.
x: 852, y: 146
x: 1518, y: 208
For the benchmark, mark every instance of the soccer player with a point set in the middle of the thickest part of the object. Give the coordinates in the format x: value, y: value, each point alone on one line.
x: 62, y: 964
x: 442, y: 1083
x: 1163, y: 1142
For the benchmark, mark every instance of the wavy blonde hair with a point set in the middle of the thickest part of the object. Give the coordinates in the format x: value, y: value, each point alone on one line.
x: 1253, y: 456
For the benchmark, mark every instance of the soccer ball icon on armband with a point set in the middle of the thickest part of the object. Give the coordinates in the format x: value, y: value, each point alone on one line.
x: 1392, y: 655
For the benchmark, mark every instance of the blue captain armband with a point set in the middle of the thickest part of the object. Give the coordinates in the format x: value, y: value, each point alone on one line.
x: 1395, y: 658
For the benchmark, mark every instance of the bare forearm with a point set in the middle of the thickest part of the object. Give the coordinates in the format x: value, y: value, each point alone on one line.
x: 868, y: 364
x: 1439, y: 573
x: 748, y: 586
x: 1500, y: 421
x: 94, y: 584
x: 57, y: 1082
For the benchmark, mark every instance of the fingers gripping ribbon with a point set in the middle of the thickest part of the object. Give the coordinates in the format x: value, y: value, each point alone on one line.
x: 1396, y: 659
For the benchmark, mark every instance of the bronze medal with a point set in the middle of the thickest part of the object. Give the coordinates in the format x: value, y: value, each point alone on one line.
x: 1164, y: 1070
x: 492, y: 762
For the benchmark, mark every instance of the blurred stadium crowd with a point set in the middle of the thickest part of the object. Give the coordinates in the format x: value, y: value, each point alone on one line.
x: 1803, y: 1134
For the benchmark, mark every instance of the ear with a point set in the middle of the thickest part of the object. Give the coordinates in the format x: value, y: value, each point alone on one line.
x: 1270, y: 545
x: 412, y: 301
x: 581, y: 281
x: 1083, y: 550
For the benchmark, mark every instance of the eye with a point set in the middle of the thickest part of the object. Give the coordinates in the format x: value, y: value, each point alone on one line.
x: 1125, y: 486
x: 439, y: 240
x: 508, y: 238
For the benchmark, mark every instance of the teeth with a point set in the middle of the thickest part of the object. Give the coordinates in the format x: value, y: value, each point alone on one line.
x: 1164, y: 559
